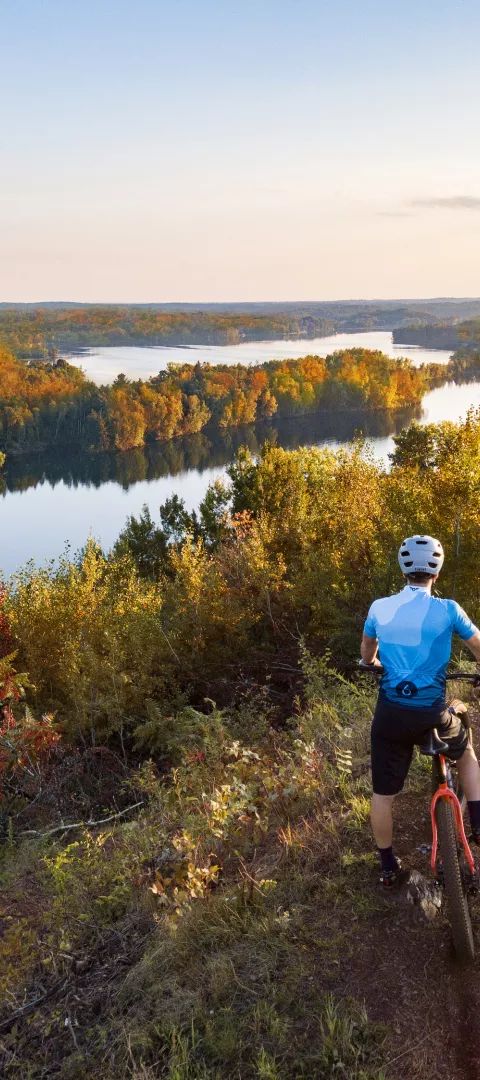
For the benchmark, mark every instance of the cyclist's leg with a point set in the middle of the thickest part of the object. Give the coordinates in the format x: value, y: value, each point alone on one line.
x: 381, y: 817
x: 469, y: 773
x: 391, y: 759
x: 461, y: 751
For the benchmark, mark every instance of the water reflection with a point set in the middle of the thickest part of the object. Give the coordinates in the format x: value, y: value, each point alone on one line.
x: 103, y: 364
x: 196, y: 453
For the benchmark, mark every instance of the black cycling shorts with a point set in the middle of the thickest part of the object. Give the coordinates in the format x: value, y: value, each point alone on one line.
x: 396, y: 730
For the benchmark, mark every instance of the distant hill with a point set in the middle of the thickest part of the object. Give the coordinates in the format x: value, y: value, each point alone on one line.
x: 38, y: 330
x: 443, y: 308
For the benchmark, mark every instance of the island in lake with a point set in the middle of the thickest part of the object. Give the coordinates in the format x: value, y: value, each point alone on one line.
x: 45, y: 404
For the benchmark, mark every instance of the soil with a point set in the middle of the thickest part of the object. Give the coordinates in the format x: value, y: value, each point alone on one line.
x: 404, y: 969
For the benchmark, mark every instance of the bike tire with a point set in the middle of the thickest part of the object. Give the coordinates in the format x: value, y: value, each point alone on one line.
x: 457, y: 902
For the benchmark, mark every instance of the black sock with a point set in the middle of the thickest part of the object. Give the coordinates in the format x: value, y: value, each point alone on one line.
x: 387, y: 858
x: 474, y: 814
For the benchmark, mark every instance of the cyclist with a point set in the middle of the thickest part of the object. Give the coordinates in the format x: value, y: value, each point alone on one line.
x: 412, y: 633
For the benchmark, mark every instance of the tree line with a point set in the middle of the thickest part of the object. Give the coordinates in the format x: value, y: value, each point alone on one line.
x: 41, y: 332
x: 52, y: 403
x: 462, y: 335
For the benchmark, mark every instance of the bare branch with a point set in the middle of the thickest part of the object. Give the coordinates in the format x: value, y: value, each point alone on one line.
x: 82, y: 824
x: 32, y: 1005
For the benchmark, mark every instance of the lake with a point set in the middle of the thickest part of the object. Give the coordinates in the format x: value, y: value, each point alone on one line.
x: 54, y: 499
x: 102, y: 365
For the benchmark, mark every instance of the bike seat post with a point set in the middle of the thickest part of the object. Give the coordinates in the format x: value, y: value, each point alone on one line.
x: 432, y: 744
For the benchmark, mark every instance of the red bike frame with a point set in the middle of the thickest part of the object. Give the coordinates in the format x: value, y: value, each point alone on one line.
x: 444, y: 792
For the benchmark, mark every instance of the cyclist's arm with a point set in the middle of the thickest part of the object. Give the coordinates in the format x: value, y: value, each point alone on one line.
x: 473, y: 643
x: 369, y: 648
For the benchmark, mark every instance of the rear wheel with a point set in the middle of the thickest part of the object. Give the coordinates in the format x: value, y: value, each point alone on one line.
x: 454, y: 883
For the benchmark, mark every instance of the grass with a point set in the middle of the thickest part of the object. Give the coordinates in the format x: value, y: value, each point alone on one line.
x: 264, y: 951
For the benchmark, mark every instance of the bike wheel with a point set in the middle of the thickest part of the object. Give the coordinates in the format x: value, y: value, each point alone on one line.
x: 454, y: 887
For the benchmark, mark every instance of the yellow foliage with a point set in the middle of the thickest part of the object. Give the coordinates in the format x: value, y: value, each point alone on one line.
x: 89, y: 634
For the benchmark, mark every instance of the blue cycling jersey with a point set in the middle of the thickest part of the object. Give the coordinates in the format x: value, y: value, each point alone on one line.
x: 414, y: 632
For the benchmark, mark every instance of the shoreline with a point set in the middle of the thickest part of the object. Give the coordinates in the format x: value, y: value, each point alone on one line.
x: 216, y: 431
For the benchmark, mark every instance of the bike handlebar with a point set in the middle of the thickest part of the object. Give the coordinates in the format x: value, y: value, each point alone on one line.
x: 470, y: 676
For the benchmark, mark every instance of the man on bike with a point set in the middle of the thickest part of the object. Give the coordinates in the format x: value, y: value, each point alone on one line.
x: 412, y: 633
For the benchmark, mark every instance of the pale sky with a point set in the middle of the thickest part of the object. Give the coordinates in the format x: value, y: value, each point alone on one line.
x: 201, y: 150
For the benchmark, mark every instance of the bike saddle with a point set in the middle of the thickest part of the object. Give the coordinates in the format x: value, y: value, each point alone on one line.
x: 432, y: 744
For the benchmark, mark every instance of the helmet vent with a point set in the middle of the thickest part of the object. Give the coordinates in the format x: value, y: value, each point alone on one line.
x: 409, y: 563
x: 421, y: 541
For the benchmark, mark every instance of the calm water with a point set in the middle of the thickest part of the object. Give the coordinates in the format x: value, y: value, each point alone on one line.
x: 51, y: 500
x: 102, y: 365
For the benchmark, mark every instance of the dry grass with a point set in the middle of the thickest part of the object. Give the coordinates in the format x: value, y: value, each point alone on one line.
x: 288, y: 965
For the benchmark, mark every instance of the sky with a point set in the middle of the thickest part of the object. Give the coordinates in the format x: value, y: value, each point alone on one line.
x: 202, y: 150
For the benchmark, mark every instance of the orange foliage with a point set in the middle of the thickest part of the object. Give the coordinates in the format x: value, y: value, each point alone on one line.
x: 44, y: 403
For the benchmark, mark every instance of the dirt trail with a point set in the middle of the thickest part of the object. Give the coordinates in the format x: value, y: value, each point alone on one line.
x: 404, y: 969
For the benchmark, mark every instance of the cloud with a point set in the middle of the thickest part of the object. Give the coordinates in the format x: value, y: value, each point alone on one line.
x: 449, y: 202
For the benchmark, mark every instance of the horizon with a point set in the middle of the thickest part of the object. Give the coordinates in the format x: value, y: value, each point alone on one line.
x: 250, y: 303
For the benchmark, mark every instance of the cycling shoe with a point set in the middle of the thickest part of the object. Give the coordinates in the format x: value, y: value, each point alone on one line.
x: 391, y: 879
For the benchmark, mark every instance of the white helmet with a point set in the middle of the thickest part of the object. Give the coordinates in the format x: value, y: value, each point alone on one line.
x: 421, y: 554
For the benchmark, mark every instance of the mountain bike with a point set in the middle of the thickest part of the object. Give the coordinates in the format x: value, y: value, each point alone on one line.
x: 452, y: 862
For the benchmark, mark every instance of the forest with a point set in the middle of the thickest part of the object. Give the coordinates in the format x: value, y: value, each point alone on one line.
x: 43, y: 330
x: 452, y: 334
x: 186, y: 870
x: 44, y: 404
